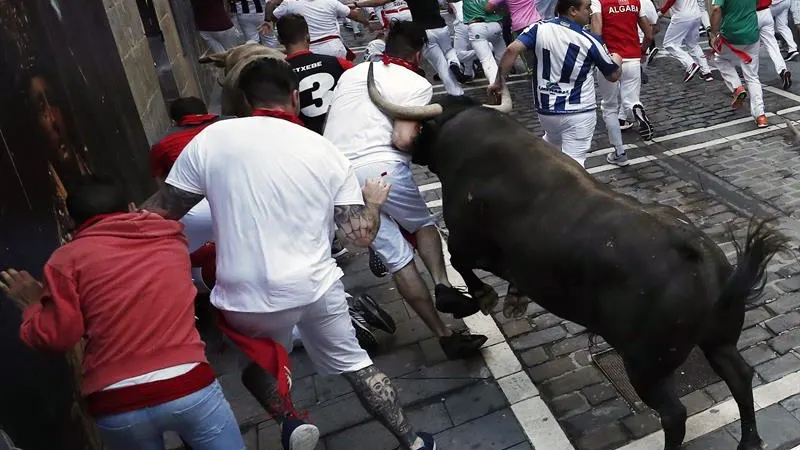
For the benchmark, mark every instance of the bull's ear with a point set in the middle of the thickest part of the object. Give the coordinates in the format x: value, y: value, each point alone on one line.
x: 218, y: 59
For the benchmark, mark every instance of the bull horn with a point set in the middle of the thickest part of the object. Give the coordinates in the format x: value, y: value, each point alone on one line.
x: 793, y: 128
x: 417, y: 113
x: 505, y: 101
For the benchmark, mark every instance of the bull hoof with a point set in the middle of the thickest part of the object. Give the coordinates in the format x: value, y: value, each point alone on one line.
x: 759, y: 445
x: 487, y: 299
x: 515, y: 306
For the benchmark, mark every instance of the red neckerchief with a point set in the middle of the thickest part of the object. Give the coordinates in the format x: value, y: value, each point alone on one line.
x: 400, y: 62
x: 96, y: 219
x: 298, y: 53
x: 278, y: 114
x: 196, y: 119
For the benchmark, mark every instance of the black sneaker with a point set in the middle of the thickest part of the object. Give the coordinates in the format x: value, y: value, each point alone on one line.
x: 450, y: 300
x: 372, y: 312
x: 707, y: 77
x: 376, y: 265
x: 786, y: 77
x: 337, y: 249
x: 791, y: 56
x: 428, y: 440
x: 690, y: 72
x: 625, y: 125
x: 366, y: 338
x: 455, y: 69
x: 645, y: 128
x: 651, y: 55
x: 298, y: 435
x: 462, y: 346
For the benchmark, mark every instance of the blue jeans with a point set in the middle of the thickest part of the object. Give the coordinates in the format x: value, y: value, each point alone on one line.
x: 203, y: 419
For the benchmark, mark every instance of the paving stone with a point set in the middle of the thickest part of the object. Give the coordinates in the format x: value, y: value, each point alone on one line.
x: 786, y: 341
x: 696, y: 401
x: 401, y: 360
x: 569, y: 405
x: 718, y: 391
x: 545, y: 321
x: 476, y: 401
x: 599, y: 393
x: 758, y: 354
x: 783, y: 322
x: 585, y: 376
x: 497, y: 431
x: 534, y: 356
x: 522, y: 446
x: 785, y: 303
x: 574, y: 328
x: 339, y: 413
x: 778, y: 428
x: 552, y: 369
x: 716, y: 440
x: 755, y: 316
x: 597, y: 416
x: 789, y: 284
x: 752, y: 336
x: 789, y: 270
x: 304, y: 393
x: 570, y: 345
x: 778, y: 367
x: 432, y: 351
x: 538, y: 338
x: 409, y: 332
x: 641, y: 424
x: 516, y: 328
x: 606, y: 437
x: 330, y: 387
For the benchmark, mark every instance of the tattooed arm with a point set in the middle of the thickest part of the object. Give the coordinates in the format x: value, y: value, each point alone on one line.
x: 170, y: 202
x: 360, y: 223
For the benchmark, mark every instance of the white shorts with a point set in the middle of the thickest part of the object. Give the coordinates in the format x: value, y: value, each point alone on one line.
x: 405, y: 207
x: 328, y: 334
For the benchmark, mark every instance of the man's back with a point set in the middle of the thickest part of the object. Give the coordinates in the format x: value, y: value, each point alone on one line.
x: 318, y: 76
x: 272, y: 203
x: 565, y: 56
x: 620, y: 26
x: 357, y: 127
x: 322, y: 15
x: 739, y: 21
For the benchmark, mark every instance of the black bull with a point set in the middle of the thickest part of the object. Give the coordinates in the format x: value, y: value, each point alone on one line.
x: 642, y: 276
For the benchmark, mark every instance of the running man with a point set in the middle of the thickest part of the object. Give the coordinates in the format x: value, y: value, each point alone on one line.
x: 684, y: 30
x: 766, y: 33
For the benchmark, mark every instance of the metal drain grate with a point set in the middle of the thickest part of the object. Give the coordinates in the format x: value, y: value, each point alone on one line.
x: 694, y: 374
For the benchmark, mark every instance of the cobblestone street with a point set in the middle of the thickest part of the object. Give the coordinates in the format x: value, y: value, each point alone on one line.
x: 708, y: 161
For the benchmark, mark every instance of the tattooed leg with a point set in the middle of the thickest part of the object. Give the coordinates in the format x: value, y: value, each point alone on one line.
x: 379, y: 397
x: 264, y: 387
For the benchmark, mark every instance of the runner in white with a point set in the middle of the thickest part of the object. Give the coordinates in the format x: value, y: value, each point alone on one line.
x: 780, y: 13
x: 684, y: 30
x: 323, y: 22
x: 461, y: 42
x: 766, y: 33
x: 250, y: 15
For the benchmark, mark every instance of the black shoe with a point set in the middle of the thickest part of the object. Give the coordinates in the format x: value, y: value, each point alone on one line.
x: 337, y: 249
x: 461, y: 346
x: 652, y: 55
x: 455, y: 69
x: 450, y: 300
x: 376, y: 265
x: 791, y: 56
x: 625, y: 125
x: 298, y: 435
x: 366, y: 338
x: 707, y: 77
x: 373, y: 314
x: 645, y: 128
x: 786, y: 77
x: 428, y: 440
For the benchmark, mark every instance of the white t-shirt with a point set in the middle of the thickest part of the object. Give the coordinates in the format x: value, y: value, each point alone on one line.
x: 322, y: 16
x: 684, y: 10
x: 272, y: 202
x: 357, y: 127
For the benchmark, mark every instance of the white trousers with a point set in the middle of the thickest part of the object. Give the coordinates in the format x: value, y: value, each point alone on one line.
x: 219, y: 41
x: 400, y: 16
x: 249, y: 24
x: 440, y: 54
x: 766, y: 31
x: 464, y: 49
x: 489, y: 45
x: 572, y: 133
x: 686, y: 33
x: 627, y: 89
x: 726, y: 61
x: 704, y: 14
x: 780, y: 12
x: 332, y: 47
x: 325, y: 325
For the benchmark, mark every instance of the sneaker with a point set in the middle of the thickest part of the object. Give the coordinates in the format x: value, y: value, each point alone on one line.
x: 374, y: 315
x: 786, y: 77
x: 337, y: 249
x: 618, y: 160
x: 792, y: 55
x: 625, y: 125
x: 739, y: 96
x: 645, y: 128
x: 376, y: 264
x: 455, y: 69
x: 652, y: 55
x: 462, y: 345
x: 690, y: 72
x: 450, y: 300
x: 428, y: 440
x: 298, y: 435
x: 761, y: 121
x: 707, y: 76
x: 366, y: 338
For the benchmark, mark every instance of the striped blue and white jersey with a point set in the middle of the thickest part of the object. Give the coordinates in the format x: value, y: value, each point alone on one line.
x: 565, y: 57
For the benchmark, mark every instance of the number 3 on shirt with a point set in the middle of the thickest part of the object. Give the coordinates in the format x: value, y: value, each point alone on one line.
x: 320, y: 87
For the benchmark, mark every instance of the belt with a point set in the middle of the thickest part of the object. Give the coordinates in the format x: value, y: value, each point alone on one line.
x: 350, y: 55
x: 395, y: 11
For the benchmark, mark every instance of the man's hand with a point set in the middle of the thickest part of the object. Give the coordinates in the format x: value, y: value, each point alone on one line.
x: 265, y: 29
x: 495, y: 89
x: 376, y: 192
x: 21, y: 288
x: 617, y: 59
x: 713, y: 41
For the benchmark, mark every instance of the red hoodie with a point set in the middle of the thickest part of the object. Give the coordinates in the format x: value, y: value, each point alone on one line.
x: 124, y: 284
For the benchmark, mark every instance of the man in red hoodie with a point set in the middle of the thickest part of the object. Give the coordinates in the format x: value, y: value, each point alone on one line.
x: 123, y: 284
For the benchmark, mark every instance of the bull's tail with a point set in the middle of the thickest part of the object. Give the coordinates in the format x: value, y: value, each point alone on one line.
x: 747, y: 280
